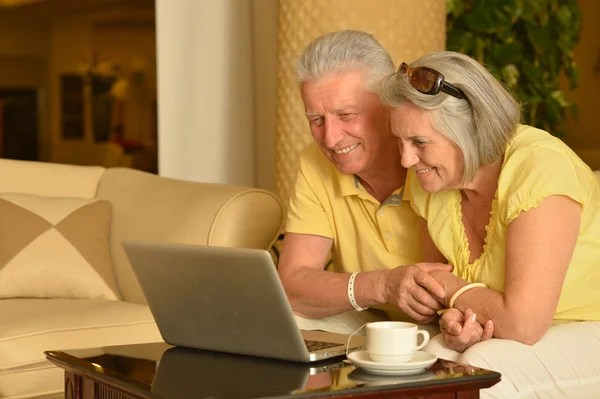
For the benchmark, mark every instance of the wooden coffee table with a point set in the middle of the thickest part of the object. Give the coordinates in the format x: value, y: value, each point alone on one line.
x: 161, y: 371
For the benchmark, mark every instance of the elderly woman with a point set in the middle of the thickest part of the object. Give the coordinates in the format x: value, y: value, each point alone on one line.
x: 510, y: 206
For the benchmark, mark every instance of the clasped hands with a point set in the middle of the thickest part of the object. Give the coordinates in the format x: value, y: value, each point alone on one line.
x: 414, y: 290
x: 461, y: 331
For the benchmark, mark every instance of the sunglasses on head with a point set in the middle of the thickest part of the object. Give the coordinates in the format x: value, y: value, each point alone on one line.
x: 429, y: 81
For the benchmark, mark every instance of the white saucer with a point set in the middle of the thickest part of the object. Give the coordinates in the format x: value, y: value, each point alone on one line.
x: 419, y: 362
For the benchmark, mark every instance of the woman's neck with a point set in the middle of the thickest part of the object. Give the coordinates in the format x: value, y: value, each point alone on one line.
x: 481, y: 191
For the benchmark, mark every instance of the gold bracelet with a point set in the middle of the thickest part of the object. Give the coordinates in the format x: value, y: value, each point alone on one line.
x: 463, y: 289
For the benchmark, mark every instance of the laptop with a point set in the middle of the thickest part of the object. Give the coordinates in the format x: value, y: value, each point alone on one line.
x: 226, y: 300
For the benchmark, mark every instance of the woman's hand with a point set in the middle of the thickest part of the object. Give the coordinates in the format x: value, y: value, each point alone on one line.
x: 460, y: 331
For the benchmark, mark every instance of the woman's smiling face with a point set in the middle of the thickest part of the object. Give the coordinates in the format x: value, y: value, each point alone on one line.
x: 438, y: 161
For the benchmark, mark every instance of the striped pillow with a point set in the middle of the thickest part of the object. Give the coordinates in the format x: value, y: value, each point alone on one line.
x: 55, y: 248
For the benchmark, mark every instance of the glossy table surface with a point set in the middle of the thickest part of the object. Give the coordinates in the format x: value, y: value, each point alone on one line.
x: 159, y: 370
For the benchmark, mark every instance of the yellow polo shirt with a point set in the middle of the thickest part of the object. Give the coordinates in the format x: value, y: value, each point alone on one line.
x: 366, y: 235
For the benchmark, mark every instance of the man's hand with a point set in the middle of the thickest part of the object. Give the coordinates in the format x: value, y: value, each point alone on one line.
x: 411, y: 289
x: 460, y: 331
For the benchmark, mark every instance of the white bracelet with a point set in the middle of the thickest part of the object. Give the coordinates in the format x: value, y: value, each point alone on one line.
x: 463, y: 289
x: 351, y: 293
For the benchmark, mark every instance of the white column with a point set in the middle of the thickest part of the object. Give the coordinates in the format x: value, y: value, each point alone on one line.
x: 205, y: 110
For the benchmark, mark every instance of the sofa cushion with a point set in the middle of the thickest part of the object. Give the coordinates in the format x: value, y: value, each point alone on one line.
x: 32, y: 326
x: 52, y: 247
x: 32, y: 381
x: 562, y: 364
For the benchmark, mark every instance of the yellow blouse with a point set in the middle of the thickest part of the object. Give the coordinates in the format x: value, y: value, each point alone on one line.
x: 536, y: 165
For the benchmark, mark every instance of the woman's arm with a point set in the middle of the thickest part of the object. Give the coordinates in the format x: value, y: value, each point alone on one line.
x: 539, y: 246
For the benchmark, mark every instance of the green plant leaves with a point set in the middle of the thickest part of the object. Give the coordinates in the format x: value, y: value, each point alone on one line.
x: 535, y: 11
x: 506, y: 53
x: 530, y: 71
x: 526, y: 44
x: 572, y: 73
x: 455, y: 7
x: 564, y: 16
x: 510, y: 75
x: 540, y: 38
x: 489, y: 16
x: 461, y: 41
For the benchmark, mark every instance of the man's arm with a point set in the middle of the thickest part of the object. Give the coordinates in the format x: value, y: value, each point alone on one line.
x: 315, y: 293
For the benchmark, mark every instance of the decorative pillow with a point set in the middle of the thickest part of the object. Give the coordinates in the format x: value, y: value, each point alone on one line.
x: 54, y: 247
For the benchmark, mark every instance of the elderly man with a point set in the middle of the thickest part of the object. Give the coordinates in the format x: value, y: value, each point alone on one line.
x: 350, y: 193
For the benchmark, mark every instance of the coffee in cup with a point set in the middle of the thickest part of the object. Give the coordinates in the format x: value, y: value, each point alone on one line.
x: 394, y: 341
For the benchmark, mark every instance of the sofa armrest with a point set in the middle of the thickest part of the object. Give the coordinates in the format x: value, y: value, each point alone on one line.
x: 153, y: 208
x: 248, y: 220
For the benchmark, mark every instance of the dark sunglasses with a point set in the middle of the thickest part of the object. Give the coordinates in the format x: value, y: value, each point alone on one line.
x: 429, y: 81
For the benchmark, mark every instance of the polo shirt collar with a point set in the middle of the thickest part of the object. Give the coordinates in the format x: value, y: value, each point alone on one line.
x: 350, y: 185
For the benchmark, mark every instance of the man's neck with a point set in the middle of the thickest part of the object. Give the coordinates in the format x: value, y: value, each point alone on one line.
x: 384, y: 181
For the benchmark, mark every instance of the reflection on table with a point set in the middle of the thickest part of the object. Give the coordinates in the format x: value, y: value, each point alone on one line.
x: 162, y: 371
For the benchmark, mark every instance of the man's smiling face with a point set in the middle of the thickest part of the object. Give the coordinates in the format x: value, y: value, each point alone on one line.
x: 348, y: 123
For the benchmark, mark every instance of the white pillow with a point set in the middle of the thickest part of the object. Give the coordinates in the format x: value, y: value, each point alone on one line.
x: 55, y: 247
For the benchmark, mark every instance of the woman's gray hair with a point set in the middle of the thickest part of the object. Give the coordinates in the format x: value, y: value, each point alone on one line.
x: 481, y: 127
x: 345, y: 50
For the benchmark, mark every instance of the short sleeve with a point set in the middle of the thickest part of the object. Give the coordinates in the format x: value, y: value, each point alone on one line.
x: 534, y: 173
x: 306, y: 213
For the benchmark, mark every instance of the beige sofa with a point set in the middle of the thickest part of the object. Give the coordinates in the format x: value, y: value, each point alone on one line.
x: 127, y: 204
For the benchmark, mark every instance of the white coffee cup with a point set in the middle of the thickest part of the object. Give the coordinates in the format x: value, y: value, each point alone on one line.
x: 394, y: 341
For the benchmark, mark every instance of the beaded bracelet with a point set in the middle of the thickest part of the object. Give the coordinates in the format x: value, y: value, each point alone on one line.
x: 351, y: 293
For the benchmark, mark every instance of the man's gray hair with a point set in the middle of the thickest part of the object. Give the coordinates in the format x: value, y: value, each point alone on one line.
x: 343, y: 51
x: 481, y: 126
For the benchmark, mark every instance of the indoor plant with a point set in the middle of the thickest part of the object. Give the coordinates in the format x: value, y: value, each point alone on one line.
x: 527, y: 44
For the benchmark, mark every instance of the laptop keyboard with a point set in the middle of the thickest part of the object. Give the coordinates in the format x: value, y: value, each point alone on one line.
x: 318, y: 345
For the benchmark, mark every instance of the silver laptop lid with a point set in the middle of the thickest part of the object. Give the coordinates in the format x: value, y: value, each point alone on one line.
x: 220, y: 299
